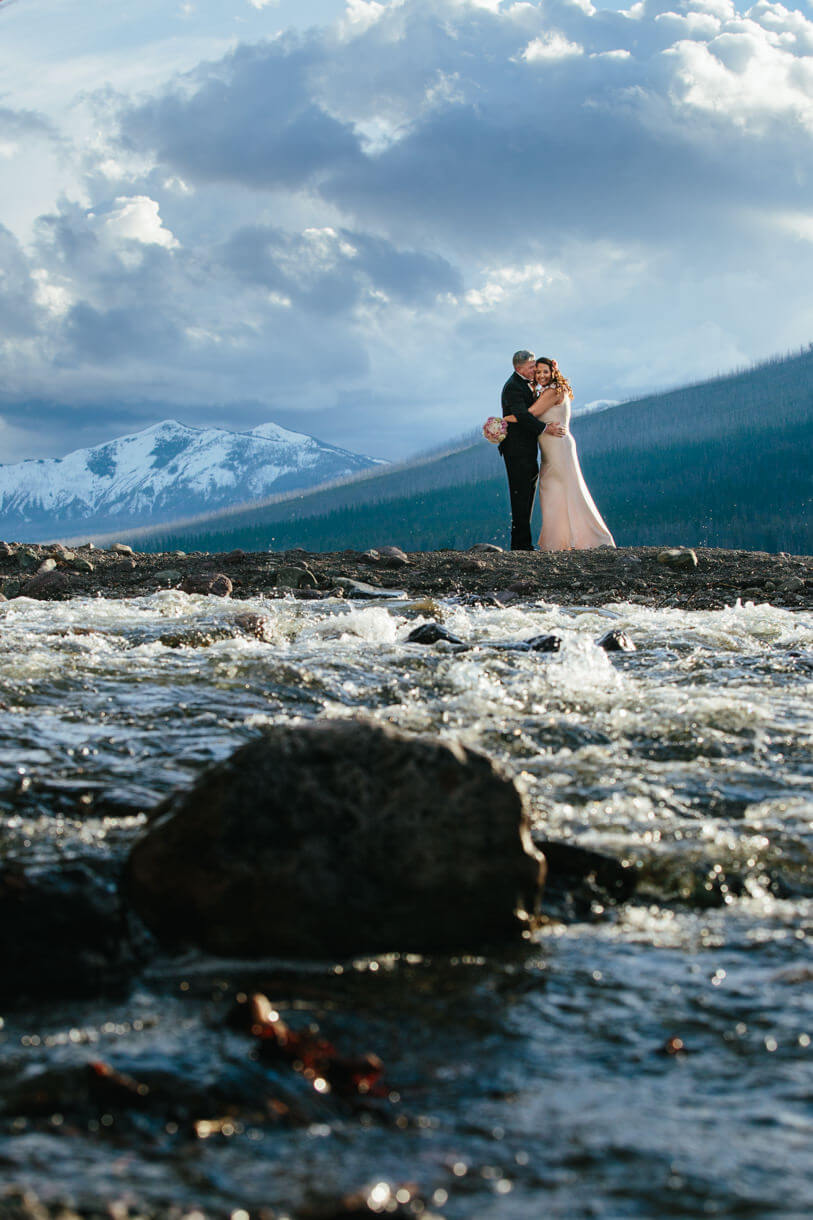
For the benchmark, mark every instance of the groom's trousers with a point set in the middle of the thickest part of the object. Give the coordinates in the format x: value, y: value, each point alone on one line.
x: 523, y: 472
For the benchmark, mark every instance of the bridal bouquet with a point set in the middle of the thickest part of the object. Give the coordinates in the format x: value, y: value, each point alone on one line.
x: 495, y: 429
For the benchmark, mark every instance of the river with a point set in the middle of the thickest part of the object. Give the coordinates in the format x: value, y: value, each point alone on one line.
x: 542, y: 1082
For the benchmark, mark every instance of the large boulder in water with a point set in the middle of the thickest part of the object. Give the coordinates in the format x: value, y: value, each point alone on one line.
x: 340, y: 837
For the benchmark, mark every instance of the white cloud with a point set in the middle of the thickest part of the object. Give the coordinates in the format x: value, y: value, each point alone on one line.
x: 551, y: 46
x: 137, y: 219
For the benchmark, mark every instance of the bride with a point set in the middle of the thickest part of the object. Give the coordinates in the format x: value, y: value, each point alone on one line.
x: 570, y: 519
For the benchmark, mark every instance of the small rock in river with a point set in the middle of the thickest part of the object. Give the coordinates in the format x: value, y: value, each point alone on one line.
x: 544, y: 643
x: 214, y: 583
x: 616, y: 641
x: 256, y: 625
x: 338, y: 837
x: 430, y: 633
x: 680, y: 558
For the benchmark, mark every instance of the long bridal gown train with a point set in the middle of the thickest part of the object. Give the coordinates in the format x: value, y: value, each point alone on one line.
x: 569, y: 516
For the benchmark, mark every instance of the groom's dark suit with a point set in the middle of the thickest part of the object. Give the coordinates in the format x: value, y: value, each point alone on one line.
x: 520, y: 451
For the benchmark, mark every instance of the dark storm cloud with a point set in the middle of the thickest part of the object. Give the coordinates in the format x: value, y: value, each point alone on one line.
x: 329, y: 271
x: 552, y: 120
x: 19, y: 314
x: 251, y: 119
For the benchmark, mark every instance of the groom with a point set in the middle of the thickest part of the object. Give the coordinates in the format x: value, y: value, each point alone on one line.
x: 520, y: 449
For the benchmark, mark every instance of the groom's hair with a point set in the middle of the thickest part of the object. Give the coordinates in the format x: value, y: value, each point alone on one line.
x: 522, y: 358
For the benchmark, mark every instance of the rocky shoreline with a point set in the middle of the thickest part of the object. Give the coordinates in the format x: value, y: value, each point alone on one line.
x: 699, y: 579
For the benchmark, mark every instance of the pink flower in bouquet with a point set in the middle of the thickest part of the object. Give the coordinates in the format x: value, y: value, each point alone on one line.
x: 495, y: 429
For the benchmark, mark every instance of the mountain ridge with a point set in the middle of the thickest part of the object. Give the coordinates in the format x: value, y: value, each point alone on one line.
x: 163, y: 472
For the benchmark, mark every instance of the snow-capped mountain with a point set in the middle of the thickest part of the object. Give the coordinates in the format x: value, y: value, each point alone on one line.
x: 166, y: 472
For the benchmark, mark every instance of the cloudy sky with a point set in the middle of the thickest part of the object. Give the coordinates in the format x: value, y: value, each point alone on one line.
x: 344, y: 215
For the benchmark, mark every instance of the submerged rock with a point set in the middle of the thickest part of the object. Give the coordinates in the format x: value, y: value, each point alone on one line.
x: 338, y: 837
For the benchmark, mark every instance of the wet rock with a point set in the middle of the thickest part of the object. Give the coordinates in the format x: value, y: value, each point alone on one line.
x: 80, y: 564
x: 48, y: 586
x: 11, y: 588
x: 581, y: 882
x: 544, y: 643
x: 793, y: 584
x: 195, y: 637
x: 295, y: 576
x: 256, y: 625
x: 616, y: 641
x: 337, y: 837
x: 120, y: 548
x: 66, y: 932
x: 678, y: 558
x: 211, y: 583
x: 486, y: 548
x: 169, y: 576
x: 6, y: 551
x: 357, y: 588
x: 430, y: 633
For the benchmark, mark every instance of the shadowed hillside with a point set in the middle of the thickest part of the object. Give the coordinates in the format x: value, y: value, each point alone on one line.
x: 721, y: 463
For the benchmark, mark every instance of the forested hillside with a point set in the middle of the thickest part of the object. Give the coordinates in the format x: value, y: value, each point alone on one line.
x: 720, y: 463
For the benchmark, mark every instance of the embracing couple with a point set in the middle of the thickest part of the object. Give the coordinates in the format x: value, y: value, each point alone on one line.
x: 536, y: 401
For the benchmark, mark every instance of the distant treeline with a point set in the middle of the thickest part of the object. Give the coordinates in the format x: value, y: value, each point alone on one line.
x: 723, y: 463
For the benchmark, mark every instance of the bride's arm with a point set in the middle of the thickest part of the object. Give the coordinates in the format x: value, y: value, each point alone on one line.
x: 551, y: 397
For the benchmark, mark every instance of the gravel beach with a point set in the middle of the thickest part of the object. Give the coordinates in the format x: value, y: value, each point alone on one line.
x: 699, y: 579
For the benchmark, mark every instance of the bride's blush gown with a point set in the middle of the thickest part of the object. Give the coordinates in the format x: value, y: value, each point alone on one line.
x: 569, y: 516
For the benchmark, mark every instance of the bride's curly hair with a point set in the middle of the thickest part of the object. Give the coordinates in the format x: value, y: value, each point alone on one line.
x: 557, y: 379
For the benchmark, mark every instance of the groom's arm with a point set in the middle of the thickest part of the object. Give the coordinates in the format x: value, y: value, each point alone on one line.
x: 514, y: 402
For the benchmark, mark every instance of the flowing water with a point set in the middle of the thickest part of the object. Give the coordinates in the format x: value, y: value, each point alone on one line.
x: 530, y: 1084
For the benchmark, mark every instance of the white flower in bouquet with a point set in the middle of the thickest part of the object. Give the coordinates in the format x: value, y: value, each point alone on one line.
x: 495, y: 429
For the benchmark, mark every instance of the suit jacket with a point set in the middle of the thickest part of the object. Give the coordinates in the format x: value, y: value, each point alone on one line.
x: 523, y: 436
